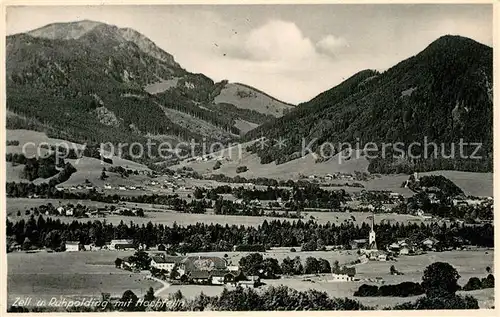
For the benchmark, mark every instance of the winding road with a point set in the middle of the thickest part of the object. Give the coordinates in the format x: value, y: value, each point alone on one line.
x: 165, y: 285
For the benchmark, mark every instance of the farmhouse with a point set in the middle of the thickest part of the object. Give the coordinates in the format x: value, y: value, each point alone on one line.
x: 429, y: 243
x: 127, y: 264
x: 207, y: 270
x: 167, y: 263
x: 72, y: 246
x: 344, y: 274
x: 359, y: 243
x: 121, y: 244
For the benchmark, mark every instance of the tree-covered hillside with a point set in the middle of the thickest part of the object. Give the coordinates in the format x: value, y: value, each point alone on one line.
x: 85, y: 81
x: 443, y: 93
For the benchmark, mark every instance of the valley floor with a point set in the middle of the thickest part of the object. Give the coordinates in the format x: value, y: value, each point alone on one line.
x: 79, y: 275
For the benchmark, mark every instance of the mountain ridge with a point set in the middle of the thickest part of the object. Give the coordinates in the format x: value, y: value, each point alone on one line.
x: 443, y: 92
x: 96, y: 74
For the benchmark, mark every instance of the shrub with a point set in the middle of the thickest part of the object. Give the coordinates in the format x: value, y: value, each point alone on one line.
x: 217, y: 165
x: 12, y: 142
x: 241, y: 169
x: 473, y: 284
x: 488, y: 282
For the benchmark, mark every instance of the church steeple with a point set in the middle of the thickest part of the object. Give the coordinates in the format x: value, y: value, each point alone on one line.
x: 372, y: 243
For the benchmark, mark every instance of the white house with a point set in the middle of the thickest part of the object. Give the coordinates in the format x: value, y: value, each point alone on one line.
x: 69, y: 212
x: 72, y: 246
x: 121, y: 244
x: 107, y: 186
x: 166, y: 263
x: 342, y: 278
x: 60, y: 210
x: 233, y: 268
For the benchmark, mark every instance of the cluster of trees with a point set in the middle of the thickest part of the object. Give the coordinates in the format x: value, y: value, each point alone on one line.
x: 41, y: 167
x: 12, y: 142
x: 445, y: 186
x: 281, y: 298
x: 16, y: 158
x: 298, y: 198
x: 475, y: 283
x: 403, y: 289
x: 389, y: 165
x: 211, y: 193
x: 227, y: 207
x: 263, y: 181
x: 48, y: 190
x: 429, y: 285
x: 272, y: 299
x: 215, y: 237
x: 270, y: 193
x: 440, y: 284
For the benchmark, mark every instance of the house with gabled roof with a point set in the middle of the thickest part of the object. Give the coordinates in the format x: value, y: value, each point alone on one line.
x: 163, y: 262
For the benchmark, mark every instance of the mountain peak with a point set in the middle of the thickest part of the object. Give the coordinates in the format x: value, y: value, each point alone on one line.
x: 65, y: 30
x: 453, y: 44
x: 105, y: 32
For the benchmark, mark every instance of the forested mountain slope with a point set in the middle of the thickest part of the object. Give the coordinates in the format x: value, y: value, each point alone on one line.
x: 88, y: 81
x: 443, y: 93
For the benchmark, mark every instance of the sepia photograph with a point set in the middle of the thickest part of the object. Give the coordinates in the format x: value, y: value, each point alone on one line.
x: 248, y: 157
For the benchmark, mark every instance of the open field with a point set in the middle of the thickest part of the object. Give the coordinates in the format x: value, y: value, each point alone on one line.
x: 280, y: 253
x: 468, y: 263
x: 168, y: 217
x: 477, y: 184
x: 259, y: 101
x: 71, y: 274
x: 87, y: 168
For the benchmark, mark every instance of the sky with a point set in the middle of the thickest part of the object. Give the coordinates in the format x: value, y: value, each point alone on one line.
x: 292, y: 52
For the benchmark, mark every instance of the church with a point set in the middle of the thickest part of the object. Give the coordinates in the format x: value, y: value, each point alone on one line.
x: 370, y: 250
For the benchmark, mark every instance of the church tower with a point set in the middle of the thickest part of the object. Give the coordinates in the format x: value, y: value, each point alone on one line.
x: 372, y: 243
